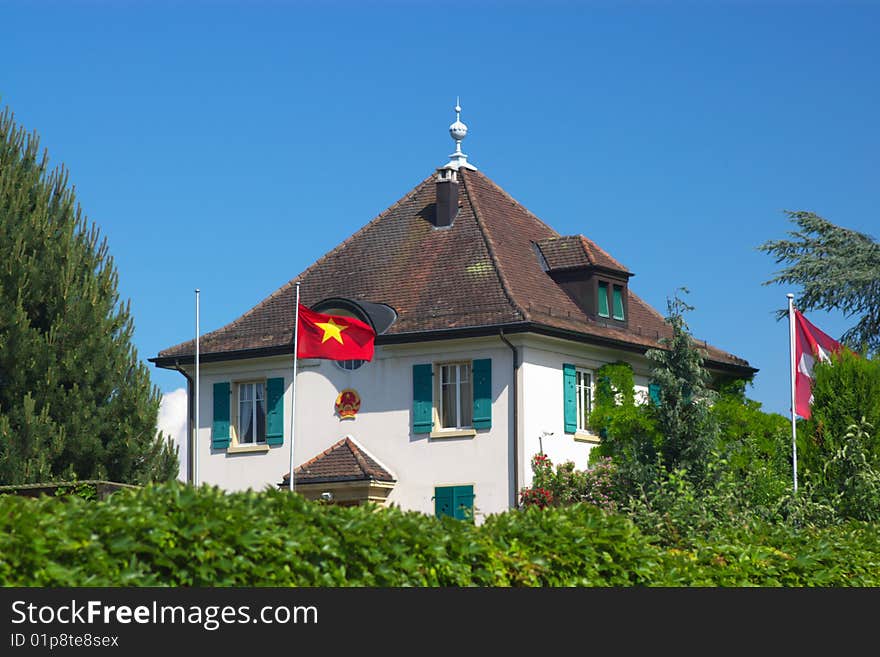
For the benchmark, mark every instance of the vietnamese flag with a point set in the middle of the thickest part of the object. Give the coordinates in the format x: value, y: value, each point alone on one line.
x: 333, y: 337
x: 811, y: 345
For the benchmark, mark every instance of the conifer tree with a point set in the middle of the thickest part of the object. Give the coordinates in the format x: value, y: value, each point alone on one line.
x: 838, y: 269
x: 75, y: 401
x: 689, y: 432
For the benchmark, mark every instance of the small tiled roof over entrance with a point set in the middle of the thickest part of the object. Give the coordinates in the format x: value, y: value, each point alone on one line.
x: 342, y: 461
x: 489, y: 269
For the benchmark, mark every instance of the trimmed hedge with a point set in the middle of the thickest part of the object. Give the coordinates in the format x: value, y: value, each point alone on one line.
x: 175, y: 535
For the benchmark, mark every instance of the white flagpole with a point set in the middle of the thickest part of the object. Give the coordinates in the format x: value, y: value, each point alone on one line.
x: 293, y: 383
x: 793, y: 370
x: 195, y: 443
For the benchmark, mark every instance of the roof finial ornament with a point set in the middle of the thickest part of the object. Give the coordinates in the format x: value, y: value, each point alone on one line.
x: 458, y: 131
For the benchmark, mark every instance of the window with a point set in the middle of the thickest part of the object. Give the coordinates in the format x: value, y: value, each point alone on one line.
x: 452, y: 397
x: 611, y: 300
x: 251, y: 420
x: 584, y: 397
x: 250, y: 412
x: 618, y: 303
x: 349, y: 365
x: 603, y: 299
x: 456, y: 397
x: 577, y: 391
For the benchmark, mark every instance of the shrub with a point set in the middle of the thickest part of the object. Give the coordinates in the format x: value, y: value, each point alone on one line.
x: 845, y: 390
x: 176, y: 535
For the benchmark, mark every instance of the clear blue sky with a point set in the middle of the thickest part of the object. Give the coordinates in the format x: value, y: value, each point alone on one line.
x: 227, y: 145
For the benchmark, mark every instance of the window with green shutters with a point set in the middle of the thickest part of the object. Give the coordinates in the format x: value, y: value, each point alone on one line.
x: 577, y: 393
x: 654, y: 393
x: 454, y: 501
x: 256, y: 417
x: 452, y: 396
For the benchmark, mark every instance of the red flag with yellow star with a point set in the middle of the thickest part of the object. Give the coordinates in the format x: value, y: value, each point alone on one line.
x: 333, y: 337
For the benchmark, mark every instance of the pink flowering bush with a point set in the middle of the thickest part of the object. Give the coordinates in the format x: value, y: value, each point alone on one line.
x: 564, y: 485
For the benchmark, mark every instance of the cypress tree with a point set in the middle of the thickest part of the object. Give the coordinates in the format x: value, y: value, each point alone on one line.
x: 683, y: 418
x: 75, y: 401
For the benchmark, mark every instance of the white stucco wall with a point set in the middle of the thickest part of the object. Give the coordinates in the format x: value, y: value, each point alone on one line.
x: 383, y: 425
x: 542, y: 398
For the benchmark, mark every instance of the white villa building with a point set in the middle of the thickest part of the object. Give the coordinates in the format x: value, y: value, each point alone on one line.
x: 490, y: 328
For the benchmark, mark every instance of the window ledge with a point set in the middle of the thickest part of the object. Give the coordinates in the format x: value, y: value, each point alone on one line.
x: 585, y: 437
x: 454, y: 433
x: 245, y: 449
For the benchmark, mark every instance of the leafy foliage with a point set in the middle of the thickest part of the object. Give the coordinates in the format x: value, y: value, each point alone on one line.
x: 756, y: 447
x: 629, y: 431
x: 850, y: 477
x: 75, y: 401
x: 566, y: 485
x: 845, y: 390
x: 176, y: 535
x: 837, y: 268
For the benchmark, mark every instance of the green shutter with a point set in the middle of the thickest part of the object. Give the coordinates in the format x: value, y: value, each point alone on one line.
x: 603, y: 299
x: 618, y: 302
x: 569, y: 395
x: 275, y: 411
x: 654, y: 393
x: 454, y: 501
x: 443, y: 501
x: 220, y: 427
x: 463, y: 502
x: 423, y: 398
x: 482, y: 372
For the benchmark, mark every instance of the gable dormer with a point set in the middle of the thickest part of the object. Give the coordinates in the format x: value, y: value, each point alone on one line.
x: 595, y: 281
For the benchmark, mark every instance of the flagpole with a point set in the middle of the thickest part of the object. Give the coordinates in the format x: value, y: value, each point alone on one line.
x: 293, y: 384
x: 793, y: 372
x: 195, y: 450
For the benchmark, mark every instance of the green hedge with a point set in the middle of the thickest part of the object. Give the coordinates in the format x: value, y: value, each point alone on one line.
x: 174, y: 535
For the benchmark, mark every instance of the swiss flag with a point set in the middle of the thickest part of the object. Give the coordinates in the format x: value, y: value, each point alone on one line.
x: 810, y: 344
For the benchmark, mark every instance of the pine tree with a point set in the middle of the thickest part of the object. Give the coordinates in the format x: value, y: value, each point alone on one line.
x: 838, y: 269
x: 75, y: 401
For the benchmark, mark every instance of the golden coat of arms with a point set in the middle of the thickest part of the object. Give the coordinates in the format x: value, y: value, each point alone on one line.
x: 348, y: 403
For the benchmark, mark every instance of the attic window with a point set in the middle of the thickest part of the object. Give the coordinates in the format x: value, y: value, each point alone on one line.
x: 617, y: 302
x: 603, y: 299
x: 610, y: 301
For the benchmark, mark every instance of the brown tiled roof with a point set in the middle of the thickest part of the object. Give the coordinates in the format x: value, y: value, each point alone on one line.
x: 342, y: 461
x: 575, y: 252
x: 481, y: 272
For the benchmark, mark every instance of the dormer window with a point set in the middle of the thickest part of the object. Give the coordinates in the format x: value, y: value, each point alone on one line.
x: 610, y: 301
x: 611, y: 296
x: 590, y: 277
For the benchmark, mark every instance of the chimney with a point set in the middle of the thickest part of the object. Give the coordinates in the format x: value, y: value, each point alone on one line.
x: 447, y: 197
